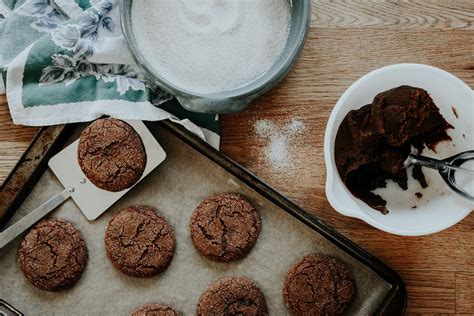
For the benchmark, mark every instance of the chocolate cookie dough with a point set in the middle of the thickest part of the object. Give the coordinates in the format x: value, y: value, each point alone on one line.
x: 111, y: 154
x: 318, y: 285
x: 374, y: 141
x: 139, y: 241
x: 232, y: 296
x: 225, y: 227
x: 53, y: 255
x: 155, y: 310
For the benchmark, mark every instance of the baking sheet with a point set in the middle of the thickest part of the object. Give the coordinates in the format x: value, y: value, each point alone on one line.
x: 175, y: 188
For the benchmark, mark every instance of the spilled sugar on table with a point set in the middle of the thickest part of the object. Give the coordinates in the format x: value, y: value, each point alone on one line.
x: 348, y: 39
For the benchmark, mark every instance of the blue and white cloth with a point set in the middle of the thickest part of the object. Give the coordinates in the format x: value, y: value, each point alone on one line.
x: 65, y: 61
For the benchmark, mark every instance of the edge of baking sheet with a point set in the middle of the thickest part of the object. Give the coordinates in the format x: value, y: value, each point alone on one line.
x: 29, y: 168
x: 50, y: 139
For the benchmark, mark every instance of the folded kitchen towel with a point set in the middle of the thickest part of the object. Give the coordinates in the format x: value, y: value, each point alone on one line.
x: 66, y: 61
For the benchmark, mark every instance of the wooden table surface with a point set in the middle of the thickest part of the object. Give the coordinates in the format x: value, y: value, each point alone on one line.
x: 349, y: 38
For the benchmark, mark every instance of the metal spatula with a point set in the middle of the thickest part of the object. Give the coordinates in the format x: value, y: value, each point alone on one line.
x: 91, y: 200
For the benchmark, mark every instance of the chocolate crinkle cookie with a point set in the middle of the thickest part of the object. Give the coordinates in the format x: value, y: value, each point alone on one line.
x: 155, y: 310
x: 111, y: 154
x: 225, y: 227
x: 53, y: 255
x: 319, y: 285
x: 139, y: 241
x: 232, y: 296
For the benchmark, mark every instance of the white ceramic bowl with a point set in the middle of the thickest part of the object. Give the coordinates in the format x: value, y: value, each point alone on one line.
x: 439, y: 208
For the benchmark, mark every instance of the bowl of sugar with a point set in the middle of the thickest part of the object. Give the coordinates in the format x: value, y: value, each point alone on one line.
x: 215, y: 56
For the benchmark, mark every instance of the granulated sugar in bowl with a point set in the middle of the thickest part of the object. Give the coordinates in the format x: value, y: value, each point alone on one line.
x: 215, y: 55
x: 211, y: 46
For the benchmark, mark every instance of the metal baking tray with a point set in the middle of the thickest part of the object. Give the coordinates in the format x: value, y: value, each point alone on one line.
x: 175, y: 139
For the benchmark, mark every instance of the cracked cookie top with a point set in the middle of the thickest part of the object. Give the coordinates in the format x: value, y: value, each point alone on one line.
x: 232, y: 296
x: 139, y: 241
x: 111, y: 154
x: 225, y: 227
x: 53, y: 255
x: 319, y: 285
x: 155, y: 310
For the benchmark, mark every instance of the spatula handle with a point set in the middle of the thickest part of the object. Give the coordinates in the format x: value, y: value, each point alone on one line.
x: 26, y: 222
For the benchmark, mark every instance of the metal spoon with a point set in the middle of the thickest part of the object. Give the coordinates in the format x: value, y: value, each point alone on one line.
x: 446, y: 168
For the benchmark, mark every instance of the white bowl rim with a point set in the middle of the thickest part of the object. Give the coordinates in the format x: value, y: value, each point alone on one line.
x: 332, y: 174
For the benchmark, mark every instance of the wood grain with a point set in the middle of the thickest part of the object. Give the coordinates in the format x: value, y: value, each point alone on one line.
x: 465, y: 296
x: 433, y: 293
x: 13, y: 140
x: 349, y: 38
x: 414, y: 14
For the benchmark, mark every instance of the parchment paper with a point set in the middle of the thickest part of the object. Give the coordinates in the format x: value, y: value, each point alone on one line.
x: 175, y: 189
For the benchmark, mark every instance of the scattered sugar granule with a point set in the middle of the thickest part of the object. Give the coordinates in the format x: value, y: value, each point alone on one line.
x: 295, y: 127
x: 279, y: 141
x: 265, y: 128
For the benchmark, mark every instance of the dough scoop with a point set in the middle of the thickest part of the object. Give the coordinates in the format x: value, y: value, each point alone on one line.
x: 451, y: 169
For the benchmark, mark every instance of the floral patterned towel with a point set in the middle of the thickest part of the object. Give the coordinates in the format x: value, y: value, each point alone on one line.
x: 66, y: 61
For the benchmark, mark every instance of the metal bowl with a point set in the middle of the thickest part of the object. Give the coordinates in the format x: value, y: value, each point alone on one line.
x: 233, y: 100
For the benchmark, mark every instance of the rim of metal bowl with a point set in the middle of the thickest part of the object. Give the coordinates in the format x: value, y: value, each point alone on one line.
x: 259, y: 86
